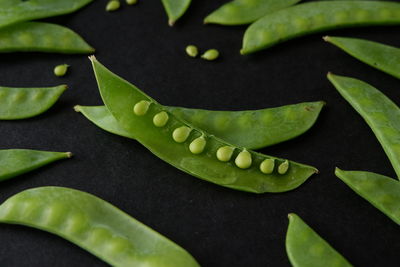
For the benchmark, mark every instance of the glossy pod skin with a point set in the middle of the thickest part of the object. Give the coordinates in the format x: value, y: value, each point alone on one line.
x: 42, y: 37
x: 315, y: 17
x: 13, y: 11
x: 381, y: 191
x: 240, y: 12
x: 134, y: 111
x: 253, y: 129
x: 175, y: 9
x: 305, y: 248
x: 380, y: 113
x: 380, y: 56
x: 23, y: 103
x: 94, y: 225
x: 14, y: 162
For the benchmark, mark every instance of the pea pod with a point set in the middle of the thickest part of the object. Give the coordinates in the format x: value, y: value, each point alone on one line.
x: 94, y: 225
x: 380, y: 113
x: 306, y: 248
x: 41, y: 37
x: 13, y: 11
x: 239, y: 12
x: 22, y: 103
x: 253, y: 129
x: 236, y: 168
x: 382, y: 57
x: 175, y: 9
x: 14, y: 162
x: 315, y: 17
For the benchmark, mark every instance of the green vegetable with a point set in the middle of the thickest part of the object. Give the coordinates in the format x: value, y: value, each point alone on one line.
x: 382, y: 57
x: 61, y: 70
x: 175, y: 9
x: 22, y: 103
x: 211, y: 54
x: 305, y: 248
x: 192, y: 51
x: 113, y: 5
x: 94, y: 225
x: 120, y: 96
x: 314, y: 17
x: 239, y: 12
x: 14, y: 162
x: 131, y: 2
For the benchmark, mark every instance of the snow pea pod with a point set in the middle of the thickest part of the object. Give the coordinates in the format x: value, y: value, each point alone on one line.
x: 239, y: 12
x: 22, y: 103
x: 305, y: 248
x: 175, y: 9
x: 191, y: 149
x: 13, y: 11
x: 42, y: 37
x: 381, y: 191
x: 94, y: 225
x: 314, y: 17
x: 14, y: 162
x: 380, y: 113
x: 380, y: 56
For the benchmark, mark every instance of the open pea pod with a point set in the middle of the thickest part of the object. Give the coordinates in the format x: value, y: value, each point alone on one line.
x: 191, y: 149
x: 14, y: 162
x: 94, y: 225
x: 13, y: 11
x: 175, y: 9
x: 305, y: 248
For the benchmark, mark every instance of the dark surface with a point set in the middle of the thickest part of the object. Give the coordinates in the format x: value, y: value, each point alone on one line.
x: 218, y: 226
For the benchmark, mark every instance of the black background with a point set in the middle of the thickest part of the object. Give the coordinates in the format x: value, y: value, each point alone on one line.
x: 218, y: 226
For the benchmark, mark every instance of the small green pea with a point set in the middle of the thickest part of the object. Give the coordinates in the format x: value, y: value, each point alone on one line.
x: 131, y: 2
x: 225, y: 153
x: 192, y: 51
x: 160, y: 119
x: 197, y: 145
x: 267, y: 166
x: 210, y: 54
x: 141, y: 108
x: 243, y: 160
x: 61, y: 70
x: 181, y: 134
x: 283, y: 168
x: 113, y: 5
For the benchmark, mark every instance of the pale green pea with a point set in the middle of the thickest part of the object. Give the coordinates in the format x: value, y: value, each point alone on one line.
x: 113, y: 5
x: 141, y: 108
x: 210, y: 54
x: 181, y: 134
x: 267, y: 166
x: 225, y: 153
x: 197, y: 145
x: 161, y: 119
x: 243, y: 160
x: 192, y: 51
x: 131, y: 2
x: 284, y: 167
x: 61, y: 70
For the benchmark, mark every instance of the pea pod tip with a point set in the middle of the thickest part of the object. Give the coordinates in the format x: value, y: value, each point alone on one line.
x: 326, y: 38
x: 77, y: 108
x: 69, y: 154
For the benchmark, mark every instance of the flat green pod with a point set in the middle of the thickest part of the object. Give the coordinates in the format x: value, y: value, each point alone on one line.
x: 14, y: 162
x: 42, y: 37
x: 175, y: 9
x: 95, y: 225
x: 305, y: 248
x: 239, y: 169
x: 240, y: 12
x: 23, y: 103
x: 319, y: 16
x: 381, y: 114
x: 380, y: 56
x: 13, y: 11
x: 381, y: 191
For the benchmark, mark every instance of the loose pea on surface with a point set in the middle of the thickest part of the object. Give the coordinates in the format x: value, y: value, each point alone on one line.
x: 192, y: 50
x: 160, y: 119
x: 225, y: 153
x: 267, y: 166
x: 61, y: 70
x: 113, y: 5
x: 284, y: 167
x: 197, y: 145
x: 141, y: 108
x: 210, y: 54
x: 131, y: 2
x: 243, y: 160
x: 181, y: 134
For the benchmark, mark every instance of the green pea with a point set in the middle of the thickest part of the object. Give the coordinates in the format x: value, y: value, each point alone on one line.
x: 283, y: 167
x: 267, y: 166
x: 197, y: 145
x: 181, y: 134
x: 225, y: 153
x: 243, y: 159
x: 192, y: 51
x: 61, y: 70
x: 161, y: 119
x: 113, y: 5
x: 141, y: 107
x: 211, y: 54
x: 131, y: 2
